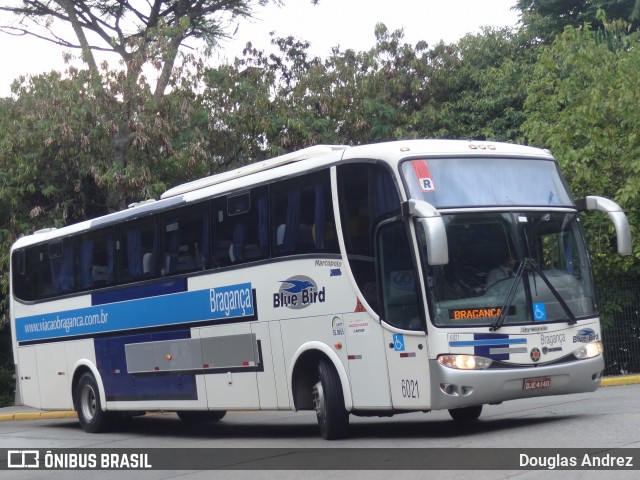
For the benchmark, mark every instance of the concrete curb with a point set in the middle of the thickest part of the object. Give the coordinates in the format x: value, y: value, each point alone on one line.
x: 36, y: 415
x: 622, y: 380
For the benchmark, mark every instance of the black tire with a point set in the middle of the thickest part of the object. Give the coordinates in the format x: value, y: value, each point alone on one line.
x: 466, y: 414
x: 87, y: 402
x: 333, y: 419
x: 192, y: 417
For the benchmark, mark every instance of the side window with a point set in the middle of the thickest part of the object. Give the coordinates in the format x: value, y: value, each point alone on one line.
x: 64, y: 266
x: 186, y: 241
x: 19, y: 279
x: 302, y: 216
x: 59, y: 277
x: 96, y: 267
x: 137, y: 252
x: 398, y: 283
x: 240, y: 222
x: 27, y: 266
x: 367, y: 195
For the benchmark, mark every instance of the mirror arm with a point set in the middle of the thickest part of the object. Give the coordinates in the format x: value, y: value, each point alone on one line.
x: 419, y: 208
x: 434, y: 229
x: 617, y: 216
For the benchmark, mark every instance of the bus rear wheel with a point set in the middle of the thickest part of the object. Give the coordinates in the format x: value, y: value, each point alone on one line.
x: 466, y: 414
x: 87, y: 401
x: 328, y: 400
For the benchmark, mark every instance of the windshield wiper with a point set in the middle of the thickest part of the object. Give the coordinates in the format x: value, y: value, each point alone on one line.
x: 554, y: 292
x: 509, y: 300
x: 529, y: 262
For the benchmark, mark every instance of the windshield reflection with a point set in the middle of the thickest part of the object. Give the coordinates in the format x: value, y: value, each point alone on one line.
x: 489, y: 181
x: 512, y: 268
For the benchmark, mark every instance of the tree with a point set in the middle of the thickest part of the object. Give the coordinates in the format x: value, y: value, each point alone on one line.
x: 546, y: 19
x: 472, y: 89
x: 582, y: 104
x: 56, y: 156
x: 141, y: 34
x: 479, y: 86
x: 55, y: 152
x: 297, y: 100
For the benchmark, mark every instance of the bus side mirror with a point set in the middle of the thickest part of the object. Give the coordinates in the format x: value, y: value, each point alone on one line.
x: 617, y: 216
x: 434, y: 230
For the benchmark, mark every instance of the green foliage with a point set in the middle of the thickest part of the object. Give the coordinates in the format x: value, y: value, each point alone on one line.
x: 392, y: 91
x: 582, y: 104
x: 153, y: 35
x: 480, y: 86
x: 7, y: 382
x: 546, y: 19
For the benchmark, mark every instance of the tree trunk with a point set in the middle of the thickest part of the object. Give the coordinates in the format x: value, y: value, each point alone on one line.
x: 120, y: 142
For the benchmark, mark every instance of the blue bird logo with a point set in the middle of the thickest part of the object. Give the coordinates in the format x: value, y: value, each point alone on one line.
x: 297, y: 286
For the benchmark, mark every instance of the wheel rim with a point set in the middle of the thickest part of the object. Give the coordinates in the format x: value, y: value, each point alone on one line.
x: 318, y: 400
x: 88, y: 402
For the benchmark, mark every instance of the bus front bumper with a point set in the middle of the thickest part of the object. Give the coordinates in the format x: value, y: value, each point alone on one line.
x: 452, y: 388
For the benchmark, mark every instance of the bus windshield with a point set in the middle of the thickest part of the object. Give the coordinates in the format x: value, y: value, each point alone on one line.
x: 487, y: 181
x: 485, y: 252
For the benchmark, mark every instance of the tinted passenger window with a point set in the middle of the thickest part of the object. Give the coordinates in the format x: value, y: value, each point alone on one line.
x: 96, y: 266
x: 303, y: 216
x: 367, y: 195
x: 138, y: 252
x: 398, y: 283
x: 27, y: 271
x: 240, y: 223
x: 61, y: 268
x: 186, y: 241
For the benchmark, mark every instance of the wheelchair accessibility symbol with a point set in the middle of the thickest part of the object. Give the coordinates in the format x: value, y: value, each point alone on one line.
x: 398, y: 342
x: 539, y: 312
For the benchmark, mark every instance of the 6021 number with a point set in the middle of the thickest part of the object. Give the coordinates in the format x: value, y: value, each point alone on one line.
x: 410, y: 389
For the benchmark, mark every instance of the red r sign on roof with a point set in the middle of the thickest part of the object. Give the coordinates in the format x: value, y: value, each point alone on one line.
x: 423, y: 175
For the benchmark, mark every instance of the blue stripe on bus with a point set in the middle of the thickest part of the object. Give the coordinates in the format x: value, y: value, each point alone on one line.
x: 486, y: 342
x: 490, y: 341
x: 217, y: 303
x: 139, y: 291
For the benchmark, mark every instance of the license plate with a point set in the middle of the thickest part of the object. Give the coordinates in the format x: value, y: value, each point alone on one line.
x: 536, y: 383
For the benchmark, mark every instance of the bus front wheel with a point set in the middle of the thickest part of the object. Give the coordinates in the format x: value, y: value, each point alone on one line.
x: 466, y: 414
x: 328, y: 400
x: 87, y: 401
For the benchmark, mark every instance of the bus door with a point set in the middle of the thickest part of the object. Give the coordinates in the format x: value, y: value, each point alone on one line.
x: 405, y: 340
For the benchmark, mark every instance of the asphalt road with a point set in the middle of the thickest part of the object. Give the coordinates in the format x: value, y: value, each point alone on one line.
x: 604, y: 420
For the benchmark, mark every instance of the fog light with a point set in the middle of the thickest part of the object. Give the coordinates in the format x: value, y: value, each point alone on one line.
x: 449, y: 389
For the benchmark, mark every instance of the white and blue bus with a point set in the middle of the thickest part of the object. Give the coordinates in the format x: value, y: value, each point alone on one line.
x: 372, y: 280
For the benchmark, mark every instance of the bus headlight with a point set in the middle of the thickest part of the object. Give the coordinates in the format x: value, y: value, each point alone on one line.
x: 589, y: 350
x: 464, y: 362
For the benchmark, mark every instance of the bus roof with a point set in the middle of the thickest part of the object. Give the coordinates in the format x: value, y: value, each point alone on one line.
x: 268, y: 169
x: 384, y: 151
x: 250, y: 169
x: 393, y: 151
x: 135, y: 210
